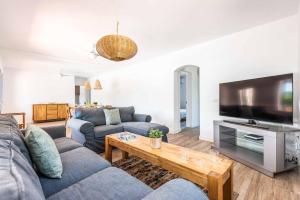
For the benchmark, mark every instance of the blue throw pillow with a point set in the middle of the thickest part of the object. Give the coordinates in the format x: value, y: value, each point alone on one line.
x: 112, y: 116
x: 43, y: 152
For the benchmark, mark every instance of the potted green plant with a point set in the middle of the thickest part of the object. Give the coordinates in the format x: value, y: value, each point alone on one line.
x: 155, y: 136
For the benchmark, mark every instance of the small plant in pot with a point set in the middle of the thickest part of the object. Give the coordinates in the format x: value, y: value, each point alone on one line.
x: 155, y: 136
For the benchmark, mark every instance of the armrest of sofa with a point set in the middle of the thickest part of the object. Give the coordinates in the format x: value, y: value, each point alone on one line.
x: 141, y: 118
x: 84, y: 127
x: 177, y: 189
x: 56, y: 131
x: 81, y: 129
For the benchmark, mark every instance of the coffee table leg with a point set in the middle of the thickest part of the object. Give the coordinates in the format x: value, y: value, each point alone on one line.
x: 216, y: 189
x: 108, y: 150
x: 124, y: 155
x: 228, y: 187
x: 213, y: 189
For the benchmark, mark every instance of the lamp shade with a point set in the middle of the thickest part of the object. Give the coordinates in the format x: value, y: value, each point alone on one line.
x: 116, y: 47
x: 98, y: 85
x: 87, y: 85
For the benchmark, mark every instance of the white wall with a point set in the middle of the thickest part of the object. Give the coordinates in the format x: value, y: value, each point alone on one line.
x: 261, y: 51
x: 38, y: 81
x: 22, y: 88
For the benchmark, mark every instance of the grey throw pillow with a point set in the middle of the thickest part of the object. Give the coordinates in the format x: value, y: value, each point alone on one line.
x: 43, y: 152
x: 112, y: 116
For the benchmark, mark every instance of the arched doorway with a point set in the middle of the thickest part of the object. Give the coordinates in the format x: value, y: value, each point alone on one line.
x: 186, y: 98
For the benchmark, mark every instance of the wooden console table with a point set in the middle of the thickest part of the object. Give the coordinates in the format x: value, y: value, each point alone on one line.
x: 208, y: 171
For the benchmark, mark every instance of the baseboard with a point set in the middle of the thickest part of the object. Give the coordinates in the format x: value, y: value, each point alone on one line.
x: 205, y: 139
x: 176, y: 131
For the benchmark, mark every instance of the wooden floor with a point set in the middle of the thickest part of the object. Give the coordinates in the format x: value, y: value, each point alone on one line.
x: 250, y: 184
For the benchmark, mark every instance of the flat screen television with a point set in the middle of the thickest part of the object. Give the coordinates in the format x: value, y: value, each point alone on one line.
x: 266, y: 99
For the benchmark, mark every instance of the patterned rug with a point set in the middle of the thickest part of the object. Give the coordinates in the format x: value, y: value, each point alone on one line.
x: 152, y: 175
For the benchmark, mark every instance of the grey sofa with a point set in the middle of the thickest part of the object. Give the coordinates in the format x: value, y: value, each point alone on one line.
x: 89, y: 126
x: 86, y: 175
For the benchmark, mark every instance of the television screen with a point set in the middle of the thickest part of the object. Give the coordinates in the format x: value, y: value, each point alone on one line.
x: 266, y: 99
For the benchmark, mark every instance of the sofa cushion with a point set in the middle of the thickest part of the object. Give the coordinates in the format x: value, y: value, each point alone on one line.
x: 43, y: 152
x: 18, y: 180
x: 111, y: 183
x: 78, y: 164
x: 177, y: 189
x: 112, y: 116
x: 126, y: 113
x: 143, y: 128
x: 9, y: 130
x: 66, y: 144
x: 101, y: 131
x: 94, y: 115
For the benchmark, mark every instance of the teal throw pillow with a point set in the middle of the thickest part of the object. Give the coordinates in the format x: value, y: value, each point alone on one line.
x: 43, y: 152
x: 112, y: 116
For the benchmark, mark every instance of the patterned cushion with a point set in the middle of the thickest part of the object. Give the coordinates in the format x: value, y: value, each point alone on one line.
x: 43, y: 152
x: 112, y: 116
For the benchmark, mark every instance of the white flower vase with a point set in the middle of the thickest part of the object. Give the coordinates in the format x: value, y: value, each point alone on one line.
x: 155, y: 143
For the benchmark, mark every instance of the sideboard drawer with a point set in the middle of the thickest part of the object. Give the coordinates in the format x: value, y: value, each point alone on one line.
x: 51, y: 107
x: 51, y: 117
x: 51, y: 112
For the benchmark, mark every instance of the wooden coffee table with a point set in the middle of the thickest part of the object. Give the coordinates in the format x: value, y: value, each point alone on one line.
x: 206, y: 170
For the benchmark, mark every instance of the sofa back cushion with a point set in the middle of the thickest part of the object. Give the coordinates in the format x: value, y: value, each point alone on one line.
x: 9, y: 130
x: 94, y: 115
x: 126, y: 113
x: 18, y: 180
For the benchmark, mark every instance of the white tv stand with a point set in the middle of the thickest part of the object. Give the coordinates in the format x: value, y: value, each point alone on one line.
x: 266, y: 155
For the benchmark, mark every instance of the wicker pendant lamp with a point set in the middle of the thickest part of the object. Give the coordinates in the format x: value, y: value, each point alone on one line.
x: 116, y: 47
x: 98, y: 85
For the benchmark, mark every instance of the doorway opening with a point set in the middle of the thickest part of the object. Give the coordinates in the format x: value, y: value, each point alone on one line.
x: 183, y: 98
x: 82, y: 96
x: 186, y: 98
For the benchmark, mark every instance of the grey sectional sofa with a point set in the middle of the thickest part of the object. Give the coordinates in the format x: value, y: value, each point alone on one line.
x: 89, y: 126
x: 86, y: 175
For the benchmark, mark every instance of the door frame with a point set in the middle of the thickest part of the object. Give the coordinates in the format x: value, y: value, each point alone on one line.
x: 189, y: 105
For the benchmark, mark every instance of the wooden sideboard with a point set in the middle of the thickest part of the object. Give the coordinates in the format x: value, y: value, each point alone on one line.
x: 50, y: 112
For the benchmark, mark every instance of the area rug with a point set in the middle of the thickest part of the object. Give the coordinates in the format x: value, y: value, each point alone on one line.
x: 152, y: 175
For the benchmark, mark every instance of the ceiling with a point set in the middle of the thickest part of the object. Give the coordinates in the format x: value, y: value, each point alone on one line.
x: 67, y: 29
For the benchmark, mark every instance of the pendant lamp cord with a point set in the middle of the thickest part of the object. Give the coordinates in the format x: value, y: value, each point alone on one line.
x: 117, y: 27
